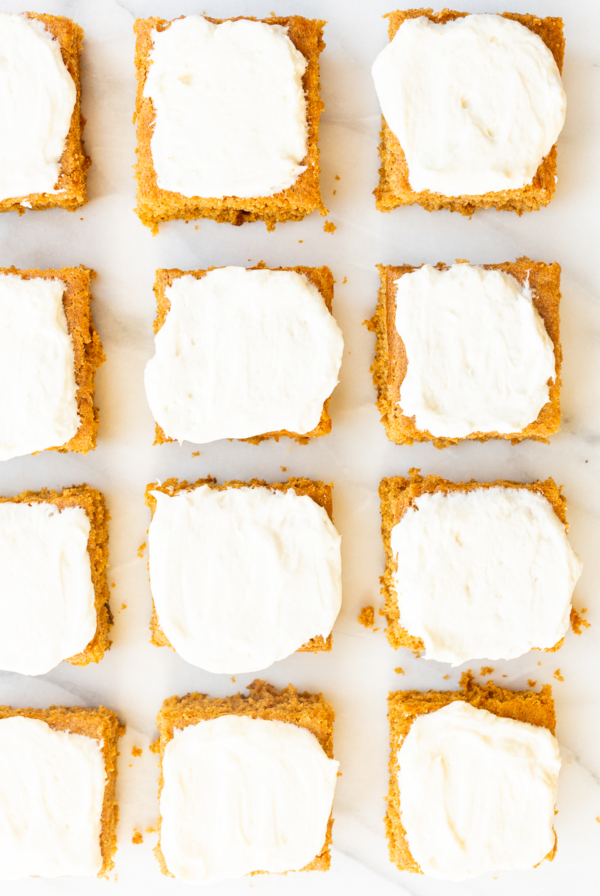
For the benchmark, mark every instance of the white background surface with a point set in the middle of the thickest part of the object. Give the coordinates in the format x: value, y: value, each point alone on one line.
x: 106, y: 235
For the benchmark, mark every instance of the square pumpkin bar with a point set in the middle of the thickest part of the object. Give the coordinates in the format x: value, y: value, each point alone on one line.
x: 469, y: 90
x: 50, y: 405
x: 476, y: 338
x: 44, y: 164
x: 227, y: 115
x: 270, y: 752
x: 224, y: 623
x: 493, y: 747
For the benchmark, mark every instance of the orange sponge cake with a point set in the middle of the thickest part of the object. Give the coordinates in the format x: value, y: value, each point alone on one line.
x: 182, y: 172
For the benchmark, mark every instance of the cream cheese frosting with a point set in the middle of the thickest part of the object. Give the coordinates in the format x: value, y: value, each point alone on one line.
x: 47, y: 609
x: 479, y: 357
x: 38, y: 392
x: 230, y: 108
x: 243, y: 795
x: 476, y: 103
x: 477, y: 792
x: 242, y: 577
x: 483, y: 574
x: 51, y: 794
x: 37, y: 98
x: 242, y: 353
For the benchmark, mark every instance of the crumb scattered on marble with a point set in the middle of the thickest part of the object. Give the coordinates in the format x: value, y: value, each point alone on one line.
x: 578, y: 623
x: 558, y: 676
x: 505, y: 676
x: 337, y: 177
x: 539, y: 664
x: 113, y: 584
x: 284, y: 469
x: 136, y: 751
x: 233, y: 678
x: 195, y: 454
x: 334, y: 192
x: 150, y: 830
x: 123, y: 607
x: 141, y: 549
x: 399, y: 670
x: 376, y: 629
x: 366, y: 617
x: 486, y: 670
x: 345, y: 280
x: 329, y: 227
x: 446, y: 677
x: 137, y: 838
x: 300, y: 241
x: 598, y: 818
x: 531, y: 682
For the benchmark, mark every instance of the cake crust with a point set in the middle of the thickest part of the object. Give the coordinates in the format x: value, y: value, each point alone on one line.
x: 394, y: 187
x: 406, y: 706
x: 93, y: 503
x: 391, y: 363
x: 320, y: 493
x: 74, y: 162
x: 321, y: 277
x: 87, y: 348
x: 398, y: 494
x: 156, y: 205
x: 263, y: 701
x: 100, y: 724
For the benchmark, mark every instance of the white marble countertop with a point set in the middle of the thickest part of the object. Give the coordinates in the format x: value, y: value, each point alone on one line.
x: 356, y: 676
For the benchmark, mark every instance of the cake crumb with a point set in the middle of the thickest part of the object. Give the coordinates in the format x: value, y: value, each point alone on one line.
x: 283, y: 469
x: 505, y: 676
x: 123, y: 607
x: 300, y: 241
x: 558, y: 676
x: 598, y: 818
x: 136, y: 751
x: 539, y: 664
x: 141, y: 549
x: 345, y: 280
x: 337, y: 177
x: 531, y: 682
x: 137, y: 838
x: 446, y: 677
x: 376, y: 629
x: 329, y: 227
x: 334, y: 192
x: 486, y: 670
x: 113, y: 584
x: 233, y: 678
x: 195, y: 454
x: 399, y: 670
x: 150, y: 830
x: 367, y: 617
x: 578, y: 623
x: 196, y: 227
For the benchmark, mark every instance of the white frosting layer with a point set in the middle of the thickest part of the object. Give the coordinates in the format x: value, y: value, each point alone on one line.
x: 47, y: 610
x: 243, y: 353
x: 38, y: 404
x: 37, y: 98
x: 51, y: 793
x: 477, y: 792
x: 476, y: 103
x: 479, y: 356
x: 243, y: 795
x: 230, y: 108
x: 243, y: 577
x: 487, y: 573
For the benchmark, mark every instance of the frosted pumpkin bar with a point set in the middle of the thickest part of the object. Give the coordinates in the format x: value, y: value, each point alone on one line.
x: 42, y: 159
x: 53, y: 588
x: 243, y: 574
x: 472, y: 108
x: 49, y: 333
x: 468, y: 352
x: 475, y: 570
x: 267, y: 756
x: 58, y: 770
x: 227, y: 114
x: 243, y: 354
x: 473, y: 780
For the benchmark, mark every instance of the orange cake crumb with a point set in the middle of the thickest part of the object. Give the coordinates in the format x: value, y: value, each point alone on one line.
x: 195, y: 454
x: 329, y: 227
x: 150, y: 830
x: 141, y: 549
x: 366, y: 617
x: 531, y: 682
x: 137, y: 838
x: 136, y: 751
x: 486, y: 670
x: 399, y: 670
x: 558, y: 675
x: 578, y: 623
x: 445, y: 677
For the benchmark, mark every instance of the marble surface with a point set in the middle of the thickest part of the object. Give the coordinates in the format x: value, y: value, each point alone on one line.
x: 356, y: 676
